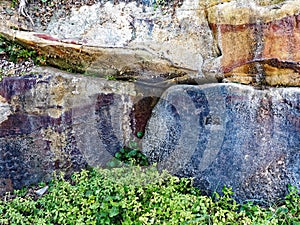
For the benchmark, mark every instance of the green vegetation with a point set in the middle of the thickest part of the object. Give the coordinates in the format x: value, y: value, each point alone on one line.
x: 110, y: 77
x: 134, y: 195
x: 159, y: 3
x: 14, y: 3
x: 140, y: 134
x: 16, y: 52
x: 130, y: 155
x: 268, y: 2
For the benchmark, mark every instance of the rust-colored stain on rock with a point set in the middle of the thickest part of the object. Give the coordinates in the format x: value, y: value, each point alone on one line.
x: 257, y: 42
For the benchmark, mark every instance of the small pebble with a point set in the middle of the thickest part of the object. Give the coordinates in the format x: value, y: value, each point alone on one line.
x: 42, y: 191
x: 8, y: 68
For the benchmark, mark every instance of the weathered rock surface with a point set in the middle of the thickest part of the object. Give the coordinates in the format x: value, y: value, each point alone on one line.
x: 227, y: 134
x: 259, y: 43
x: 251, y: 42
x: 125, y: 39
x: 219, y: 134
x: 57, y: 121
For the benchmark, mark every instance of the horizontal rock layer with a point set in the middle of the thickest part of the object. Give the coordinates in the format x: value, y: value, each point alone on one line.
x: 250, y: 42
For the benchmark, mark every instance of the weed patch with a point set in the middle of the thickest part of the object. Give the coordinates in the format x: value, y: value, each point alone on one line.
x: 16, y: 53
x: 135, y: 195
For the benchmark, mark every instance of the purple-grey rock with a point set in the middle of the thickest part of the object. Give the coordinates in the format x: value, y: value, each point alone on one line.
x: 228, y: 134
x: 51, y: 120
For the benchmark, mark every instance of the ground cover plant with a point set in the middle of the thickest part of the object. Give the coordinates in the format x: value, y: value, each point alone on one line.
x: 129, y: 155
x: 15, y: 60
x: 137, y: 195
x: 15, y: 52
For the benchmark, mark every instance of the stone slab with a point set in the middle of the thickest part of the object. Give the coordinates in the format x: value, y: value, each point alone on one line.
x: 227, y: 134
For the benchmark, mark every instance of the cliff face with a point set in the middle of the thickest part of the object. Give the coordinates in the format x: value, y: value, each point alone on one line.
x: 250, y: 42
x: 247, y: 137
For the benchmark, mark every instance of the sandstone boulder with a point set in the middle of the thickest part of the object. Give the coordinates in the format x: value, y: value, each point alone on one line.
x: 226, y: 134
x: 126, y: 39
x: 55, y: 121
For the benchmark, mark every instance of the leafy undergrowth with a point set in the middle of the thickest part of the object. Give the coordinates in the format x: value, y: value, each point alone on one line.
x: 136, y: 195
x: 16, y: 52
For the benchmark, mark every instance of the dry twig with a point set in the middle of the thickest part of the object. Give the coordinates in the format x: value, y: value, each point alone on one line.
x: 22, y: 10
